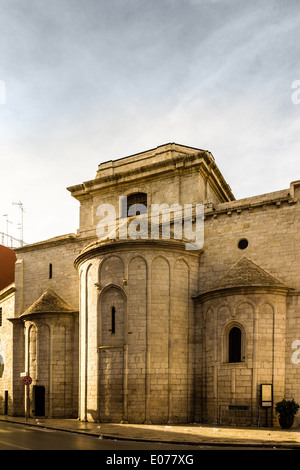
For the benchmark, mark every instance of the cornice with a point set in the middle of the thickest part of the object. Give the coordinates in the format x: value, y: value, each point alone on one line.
x: 100, y: 248
x: 145, y: 168
x: 241, y: 290
x: 7, y: 292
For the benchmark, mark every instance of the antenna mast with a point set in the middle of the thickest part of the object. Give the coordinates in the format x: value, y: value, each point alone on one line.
x: 20, y: 204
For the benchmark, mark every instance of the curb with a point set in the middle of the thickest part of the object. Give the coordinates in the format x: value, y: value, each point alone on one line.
x: 269, y: 445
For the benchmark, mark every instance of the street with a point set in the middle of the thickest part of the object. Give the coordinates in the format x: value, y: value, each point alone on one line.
x: 112, y: 452
x: 80, y: 449
x: 24, y: 437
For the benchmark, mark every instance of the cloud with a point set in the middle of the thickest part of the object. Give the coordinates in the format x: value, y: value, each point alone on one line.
x: 93, y: 81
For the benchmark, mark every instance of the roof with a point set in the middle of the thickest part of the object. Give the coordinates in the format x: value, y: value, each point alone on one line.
x: 49, y: 302
x: 246, y: 273
x: 157, y: 162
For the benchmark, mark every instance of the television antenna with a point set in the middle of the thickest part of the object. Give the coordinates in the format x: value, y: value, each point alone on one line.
x: 7, y: 222
x: 20, y: 204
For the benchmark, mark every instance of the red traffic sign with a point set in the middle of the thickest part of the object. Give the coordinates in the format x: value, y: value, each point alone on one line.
x: 27, y: 380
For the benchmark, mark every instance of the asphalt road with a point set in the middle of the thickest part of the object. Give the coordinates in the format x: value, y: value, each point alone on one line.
x: 23, y: 437
x: 141, y: 455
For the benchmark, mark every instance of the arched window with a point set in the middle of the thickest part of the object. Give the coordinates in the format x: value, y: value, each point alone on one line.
x: 235, y: 345
x: 135, y: 204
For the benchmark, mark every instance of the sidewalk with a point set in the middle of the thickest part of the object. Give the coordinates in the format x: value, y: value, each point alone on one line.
x: 179, y: 434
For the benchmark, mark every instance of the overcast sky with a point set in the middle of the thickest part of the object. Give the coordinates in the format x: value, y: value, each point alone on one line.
x: 93, y: 80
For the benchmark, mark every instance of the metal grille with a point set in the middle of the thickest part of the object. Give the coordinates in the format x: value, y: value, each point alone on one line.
x: 244, y: 415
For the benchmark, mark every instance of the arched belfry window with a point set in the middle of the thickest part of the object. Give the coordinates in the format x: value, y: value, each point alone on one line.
x: 235, y: 345
x: 135, y: 204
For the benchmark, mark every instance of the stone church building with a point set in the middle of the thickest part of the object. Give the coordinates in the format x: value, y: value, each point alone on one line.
x: 144, y: 330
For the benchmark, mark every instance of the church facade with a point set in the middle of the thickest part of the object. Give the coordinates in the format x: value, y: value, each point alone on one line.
x: 129, y: 321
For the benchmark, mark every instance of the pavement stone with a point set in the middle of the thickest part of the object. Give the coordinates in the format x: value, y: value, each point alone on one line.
x: 180, y: 434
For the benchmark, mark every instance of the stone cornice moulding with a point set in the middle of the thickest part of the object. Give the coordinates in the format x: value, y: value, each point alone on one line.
x: 241, y: 290
x: 186, y: 160
x: 96, y: 249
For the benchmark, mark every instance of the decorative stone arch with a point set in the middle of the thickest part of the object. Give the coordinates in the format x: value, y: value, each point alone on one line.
x: 154, y: 279
x: 101, y: 295
x: 43, y: 325
x: 32, y: 349
x: 164, y: 258
x: 242, y: 302
x: 102, y: 263
x: 106, y: 257
x: 137, y: 255
x: 262, y: 303
x: 109, y: 286
x: 112, y: 353
x: 134, y: 258
x: 224, y: 305
x: 182, y: 258
x: 207, y: 312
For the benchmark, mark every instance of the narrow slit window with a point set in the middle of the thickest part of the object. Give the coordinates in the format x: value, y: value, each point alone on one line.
x: 113, y: 320
x: 50, y: 271
x: 235, y: 345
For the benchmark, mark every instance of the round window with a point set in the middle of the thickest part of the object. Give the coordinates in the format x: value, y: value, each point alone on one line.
x: 243, y: 243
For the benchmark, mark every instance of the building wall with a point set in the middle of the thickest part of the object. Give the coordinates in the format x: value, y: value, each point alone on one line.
x: 51, y: 360
x: 144, y: 371
x: 270, y: 224
x: 166, y: 361
x: 169, y: 174
x: 221, y: 384
x: 6, y: 349
x: 32, y: 271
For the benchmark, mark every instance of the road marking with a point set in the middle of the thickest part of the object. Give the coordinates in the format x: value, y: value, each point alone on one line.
x: 13, y: 445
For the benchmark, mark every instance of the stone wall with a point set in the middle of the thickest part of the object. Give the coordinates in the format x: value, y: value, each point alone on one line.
x: 6, y: 349
x: 33, y: 271
x: 270, y: 224
x: 51, y: 360
x: 220, y: 384
x: 145, y: 367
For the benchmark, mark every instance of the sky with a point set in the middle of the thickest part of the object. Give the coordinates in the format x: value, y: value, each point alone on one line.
x: 86, y: 81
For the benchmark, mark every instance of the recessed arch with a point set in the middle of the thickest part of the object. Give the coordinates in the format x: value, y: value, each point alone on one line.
x: 115, y: 269
x: 209, y: 312
x: 133, y: 257
x: 110, y: 286
x: 264, y: 303
x: 239, y: 304
x: 224, y: 306
x: 181, y: 258
x: 156, y: 257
